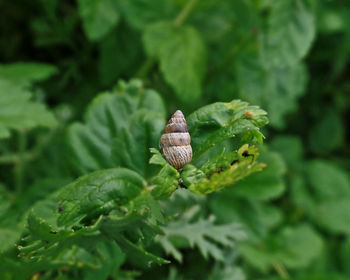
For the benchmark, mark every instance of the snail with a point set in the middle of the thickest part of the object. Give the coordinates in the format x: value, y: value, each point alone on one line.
x: 175, y: 142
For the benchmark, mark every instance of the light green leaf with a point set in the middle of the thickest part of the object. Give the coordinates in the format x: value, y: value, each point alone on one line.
x: 182, y: 56
x: 238, y: 167
x: 112, y: 118
x: 99, y: 17
x: 26, y: 73
x: 4, y: 132
x: 289, y: 35
x: 214, y: 123
x: 200, y: 234
x: 264, y: 185
x: 19, y: 112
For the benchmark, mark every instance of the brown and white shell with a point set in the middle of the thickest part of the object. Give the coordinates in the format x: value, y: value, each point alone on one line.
x: 175, y: 142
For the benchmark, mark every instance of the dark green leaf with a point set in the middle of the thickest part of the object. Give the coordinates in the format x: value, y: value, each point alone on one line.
x: 290, y: 32
x: 182, y: 57
x: 294, y: 247
x: 277, y: 89
x: 99, y: 17
x: 111, y: 121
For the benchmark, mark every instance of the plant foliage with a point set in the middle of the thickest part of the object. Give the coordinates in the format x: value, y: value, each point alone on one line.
x: 86, y: 88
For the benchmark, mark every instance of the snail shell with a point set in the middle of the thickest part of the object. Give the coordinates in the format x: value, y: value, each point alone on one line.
x: 175, y: 143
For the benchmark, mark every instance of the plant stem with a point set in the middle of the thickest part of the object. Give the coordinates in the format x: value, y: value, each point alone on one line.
x: 14, y: 158
x: 281, y: 270
x: 20, y: 165
x: 179, y: 20
x: 145, y: 67
x: 183, y: 15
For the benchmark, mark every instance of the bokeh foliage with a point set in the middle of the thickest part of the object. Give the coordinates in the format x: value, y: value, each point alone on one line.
x: 66, y: 111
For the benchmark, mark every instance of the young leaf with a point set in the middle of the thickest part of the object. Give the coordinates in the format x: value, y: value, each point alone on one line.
x: 99, y: 17
x: 241, y: 165
x: 182, y: 57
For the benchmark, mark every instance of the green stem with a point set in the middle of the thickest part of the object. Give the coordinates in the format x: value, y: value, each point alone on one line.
x: 185, y: 12
x: 179, y: 20
x: 281, y: 270
x: 14, y: 158
x: 20, y: 166
x: 145, y: 67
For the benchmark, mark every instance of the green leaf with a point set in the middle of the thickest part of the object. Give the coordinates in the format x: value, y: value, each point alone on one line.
x: 97, y: 193
x: 131, y: 147
x: 116, y: 115
x: 294, y: 247
x: 264, y: 185
x: 226, y: 175
x: 25, y: 73
x: 182, y: 57
x: 95, y: 206
x: 99, y: 17
x: 290, y: 33
x: 166, y: 181
x: 19, y: 112
x: 291, y: 148
x: 256, y: 217
x: 276, y: 88
x: 327, y: 180
x: 139, y: 256
x: 324, y: 195
x: 140, y: 13
x: 214, y: 123
x: 111, y: 258
x: 116, y: 58
x: 200, y: 234
x: 327, y: 134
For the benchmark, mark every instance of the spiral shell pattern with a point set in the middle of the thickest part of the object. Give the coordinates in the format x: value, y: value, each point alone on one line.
x: 175, y: 142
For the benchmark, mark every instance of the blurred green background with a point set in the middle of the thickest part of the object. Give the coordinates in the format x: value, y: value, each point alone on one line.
x: 290, y: 57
